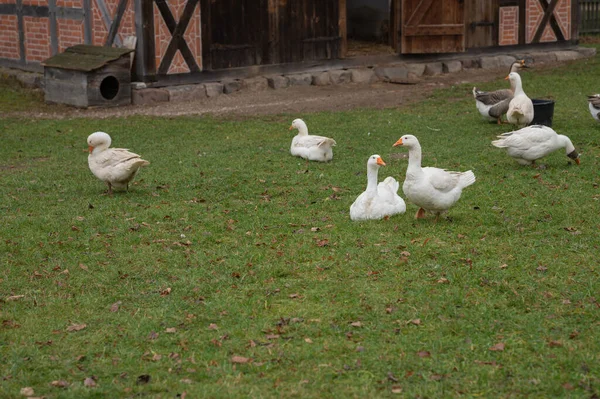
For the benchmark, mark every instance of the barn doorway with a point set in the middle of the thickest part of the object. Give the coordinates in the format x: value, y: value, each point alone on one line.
x: 369, y: 28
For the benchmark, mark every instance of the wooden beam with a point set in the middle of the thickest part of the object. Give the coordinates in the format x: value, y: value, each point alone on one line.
x: 106, y: 19
x: 116, y: 22
x: 148, y: 40
x: 177, y: 40
x: 548, y: 12
x: 21, y: 28
x: 419, y: 12
x: 434, y: 30
x: 87, y: 21
x: 53, y: 27
x: 522, y: 22
x: 575, y: 18
x: 343, y: 28
x: 205, y: 19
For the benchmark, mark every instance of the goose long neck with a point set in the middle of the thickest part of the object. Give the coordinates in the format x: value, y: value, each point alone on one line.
x: 414, y: 158
x: 566, y: 143
x: 302, y: 129
x: 518, y: 87
x: 372, y: 172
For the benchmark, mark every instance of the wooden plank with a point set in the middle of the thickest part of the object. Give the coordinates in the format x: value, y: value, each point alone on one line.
x: 273, y: 10
x: 343, y: 28
x: 116, y: 23
x: 481, y: 23
x: 148, y: 40
x: 419, y: 12
x: 205, y: 17
x: 53, y: 27
x: 522, y: 21
x: 434, y: 30
x: 575, y: 18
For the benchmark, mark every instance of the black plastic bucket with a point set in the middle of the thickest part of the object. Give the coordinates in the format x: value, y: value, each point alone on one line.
x: 543, y: 111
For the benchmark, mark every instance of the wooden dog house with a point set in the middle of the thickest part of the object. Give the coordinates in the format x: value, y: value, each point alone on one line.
x: 86, y: 76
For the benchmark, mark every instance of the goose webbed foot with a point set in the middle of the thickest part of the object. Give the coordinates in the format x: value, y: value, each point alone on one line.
x: 420, y: 214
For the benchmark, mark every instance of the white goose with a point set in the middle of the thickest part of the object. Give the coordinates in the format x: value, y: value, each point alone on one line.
x: 534, y: 142
x: 114, y: 166
x: 594, y: 104
x: 493, y: 104
x: 520, y: 108
x: 378, y: 200
x: 309, y: 147
x: 431, y: 189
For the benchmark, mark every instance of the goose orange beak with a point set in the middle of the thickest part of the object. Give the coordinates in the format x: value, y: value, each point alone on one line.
x: 397, y: 143
x: 577, y: 161
x: 506, y: 78
x: 90, y: 149
x: 291, y: 127
x: 380, y: 161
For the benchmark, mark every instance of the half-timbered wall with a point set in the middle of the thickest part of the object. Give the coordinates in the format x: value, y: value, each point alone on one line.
x: 34, y: 30
x: 187, y: 37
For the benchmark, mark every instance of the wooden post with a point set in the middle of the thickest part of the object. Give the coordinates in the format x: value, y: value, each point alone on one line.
x: 146, y: 44
x: 206, y: 34
x: 343, y: 32
x: 87, y: 21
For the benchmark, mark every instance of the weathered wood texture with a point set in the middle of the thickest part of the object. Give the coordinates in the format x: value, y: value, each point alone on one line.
x: 481, y: 23
x: 430, y: 26
x: 108, y: 86
x: 237, y: 33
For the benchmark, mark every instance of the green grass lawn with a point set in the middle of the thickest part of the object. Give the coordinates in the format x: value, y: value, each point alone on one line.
x: 228, y: 270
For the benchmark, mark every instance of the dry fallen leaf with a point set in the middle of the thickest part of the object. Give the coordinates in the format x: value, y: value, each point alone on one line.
x: 239, y: 359
x: 153, y: 335
x: 82, y: 266
x: 554, y: 344
x: 541, y: 268
x: 499, y: 347
x: 14, y: 297
x: 27, y: 391
x: 356, y: 324
x: 308, y: 340
x: 424, y: 354
x: 170, y: 330
x: 76, y: 327
x: 60, y: 383
x: 90, y: 382
x: 115, y: 306
x: 443, y: 280
x: 165, y: 292
x: 213, y: 326
x: 416, y: 322
x: 396, y: 389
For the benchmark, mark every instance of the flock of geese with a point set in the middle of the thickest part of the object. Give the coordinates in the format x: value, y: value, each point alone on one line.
x: 432, y: 189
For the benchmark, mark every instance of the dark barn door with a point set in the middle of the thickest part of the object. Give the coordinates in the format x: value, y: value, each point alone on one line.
x: 432, y: 26
x: 308, y: 30
x: 235, y: 33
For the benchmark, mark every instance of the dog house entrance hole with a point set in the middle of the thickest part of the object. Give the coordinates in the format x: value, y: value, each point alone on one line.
x: 109, y: 88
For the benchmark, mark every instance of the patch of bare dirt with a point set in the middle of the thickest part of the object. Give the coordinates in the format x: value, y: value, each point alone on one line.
x: 294, y: 100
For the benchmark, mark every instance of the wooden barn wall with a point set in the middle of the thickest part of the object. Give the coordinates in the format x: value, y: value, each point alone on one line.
x: 240, y: 33
x: 481, y: 26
